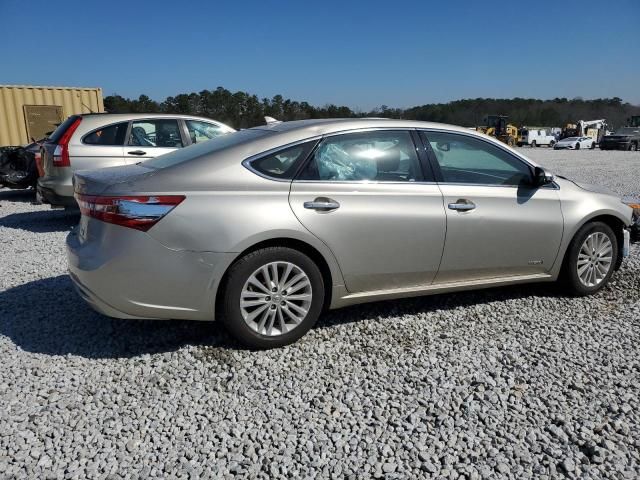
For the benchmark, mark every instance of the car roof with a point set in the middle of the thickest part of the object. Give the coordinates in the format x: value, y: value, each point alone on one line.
x: 132, y: 116
x: 327, y: 126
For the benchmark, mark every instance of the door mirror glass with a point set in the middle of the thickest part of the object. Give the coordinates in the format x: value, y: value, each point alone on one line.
x: 443, y: 146
x: 541, y: 177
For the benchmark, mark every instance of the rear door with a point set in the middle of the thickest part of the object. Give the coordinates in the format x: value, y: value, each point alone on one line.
x: 150, y: 138
x: 364, y: 194
x: 99, y: 148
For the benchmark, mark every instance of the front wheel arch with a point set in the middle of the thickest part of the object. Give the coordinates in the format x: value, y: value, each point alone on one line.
x: 614, y: 223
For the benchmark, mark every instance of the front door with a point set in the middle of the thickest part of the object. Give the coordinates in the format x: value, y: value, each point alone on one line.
x: 365, y: 196
x: 498, y: 224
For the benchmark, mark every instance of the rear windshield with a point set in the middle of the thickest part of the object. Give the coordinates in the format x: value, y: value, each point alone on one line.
x: 58, y: 132
x: 210, y: 146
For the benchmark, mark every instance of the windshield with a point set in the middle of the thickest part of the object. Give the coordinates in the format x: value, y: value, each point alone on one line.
x: 627, y: 131
x: 199, y: 149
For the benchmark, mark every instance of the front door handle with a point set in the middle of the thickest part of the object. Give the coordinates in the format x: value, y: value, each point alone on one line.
x: 137, y: 152
x: 462, y: 205
x: 322, y: 204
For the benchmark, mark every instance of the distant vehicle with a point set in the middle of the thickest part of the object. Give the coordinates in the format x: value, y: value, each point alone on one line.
x: 497, y: 126
x: 625, y: 138
x: 268, y: 227
x: 100, y: 140
x: 535, y: 137
x: 575, y: 143
x: 595, y: 129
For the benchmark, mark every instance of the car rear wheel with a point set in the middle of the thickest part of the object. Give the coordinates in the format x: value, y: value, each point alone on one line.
x: 590, y: 259
x: 533, y: 144
x: 552, y: 143
x: 633, y: 147
x: 273, y: 296
x: 577, y: 146
x: 593, y: 146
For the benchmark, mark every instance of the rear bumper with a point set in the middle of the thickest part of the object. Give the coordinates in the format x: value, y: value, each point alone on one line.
x: 127, y: 274
x: 58, y: 197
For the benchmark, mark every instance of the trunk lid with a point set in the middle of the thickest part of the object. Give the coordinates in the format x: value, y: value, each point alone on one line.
x: 114, y: 179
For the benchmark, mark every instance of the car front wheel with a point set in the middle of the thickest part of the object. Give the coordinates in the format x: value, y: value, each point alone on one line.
x: 590, y: 259
x: 273, y: 296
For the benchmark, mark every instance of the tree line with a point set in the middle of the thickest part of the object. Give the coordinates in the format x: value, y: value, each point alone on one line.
x: 244, y: 110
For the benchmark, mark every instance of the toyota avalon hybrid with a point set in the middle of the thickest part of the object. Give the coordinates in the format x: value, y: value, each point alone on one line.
x: 266, y: 228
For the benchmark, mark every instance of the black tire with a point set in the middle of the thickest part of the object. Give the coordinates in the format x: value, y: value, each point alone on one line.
x: 533, y: 144
x: 238, y: 275
x: 633, y: 147
x: 577, y: 146
x: 569, y: 274
x: 552, y: 143
x: 593, y: 146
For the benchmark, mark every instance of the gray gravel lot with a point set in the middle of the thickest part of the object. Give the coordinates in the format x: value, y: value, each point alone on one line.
x: 507, y: 383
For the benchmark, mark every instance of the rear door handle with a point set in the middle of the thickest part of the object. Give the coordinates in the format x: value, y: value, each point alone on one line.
x: 462, y: 205
x: 137, y: 152
x: 322, y: 204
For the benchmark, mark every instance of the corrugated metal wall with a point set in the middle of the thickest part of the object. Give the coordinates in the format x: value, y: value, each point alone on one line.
x: 13, y: 127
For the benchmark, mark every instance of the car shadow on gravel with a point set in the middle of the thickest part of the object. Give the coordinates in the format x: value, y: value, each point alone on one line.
x: 15, y: 196
x: 48, y: 317
x: 45, y: 221
x: 432, y: 303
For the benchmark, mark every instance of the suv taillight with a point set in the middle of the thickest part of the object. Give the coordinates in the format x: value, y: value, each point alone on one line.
x: 61, y: 152
x: 139, y: 212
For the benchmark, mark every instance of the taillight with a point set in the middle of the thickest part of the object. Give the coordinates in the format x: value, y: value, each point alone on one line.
x: 139, y: 212
x: 61, y: 152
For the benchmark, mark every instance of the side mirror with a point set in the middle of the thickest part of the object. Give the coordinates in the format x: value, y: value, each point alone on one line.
x: 540, y: 177
x: 443, y: 146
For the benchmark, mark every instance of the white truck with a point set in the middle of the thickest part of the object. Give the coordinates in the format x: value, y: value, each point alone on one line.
x: 535, y: 137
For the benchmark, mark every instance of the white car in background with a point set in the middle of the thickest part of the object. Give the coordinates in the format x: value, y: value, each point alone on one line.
x: 575, y: 143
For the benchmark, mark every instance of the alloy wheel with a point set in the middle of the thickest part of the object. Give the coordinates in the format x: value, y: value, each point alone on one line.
x: 276, y: 298
x: 595, y: 259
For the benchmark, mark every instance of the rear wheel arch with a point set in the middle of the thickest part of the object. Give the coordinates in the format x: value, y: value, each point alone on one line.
x: 305, y: 248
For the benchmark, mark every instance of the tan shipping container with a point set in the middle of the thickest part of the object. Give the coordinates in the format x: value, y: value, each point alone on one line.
x: 29, y: 112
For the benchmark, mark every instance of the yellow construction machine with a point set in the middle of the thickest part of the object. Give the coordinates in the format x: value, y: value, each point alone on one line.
x: 497, y: 126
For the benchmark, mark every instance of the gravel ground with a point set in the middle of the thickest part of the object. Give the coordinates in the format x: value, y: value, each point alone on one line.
x: 507, y: 383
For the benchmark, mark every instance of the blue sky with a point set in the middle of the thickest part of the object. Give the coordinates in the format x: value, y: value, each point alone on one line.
x: 361, y: 54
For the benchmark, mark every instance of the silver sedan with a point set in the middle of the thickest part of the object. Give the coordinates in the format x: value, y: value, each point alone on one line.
x: 267, y: 227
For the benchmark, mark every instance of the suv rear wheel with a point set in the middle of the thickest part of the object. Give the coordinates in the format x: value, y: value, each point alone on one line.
x: 273, y: 296
x: 590, y: 259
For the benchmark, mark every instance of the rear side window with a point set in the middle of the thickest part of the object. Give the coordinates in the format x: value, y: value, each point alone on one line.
x: 284, y: 163
x: 111, y: 135
x: 155, y: 133
x: 59, y: 132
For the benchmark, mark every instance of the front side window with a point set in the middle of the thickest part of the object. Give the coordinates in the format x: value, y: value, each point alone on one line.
x: 284, y: 163
x: 466, y: 159
x: 203, y: 131
x: 378, y: 156
x: 111, y: 135
x: 155, y: 133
